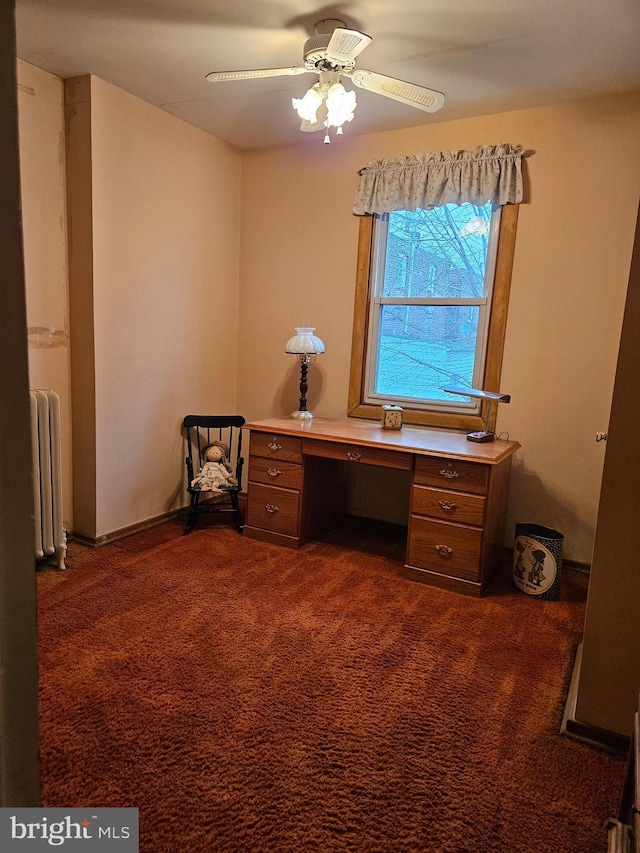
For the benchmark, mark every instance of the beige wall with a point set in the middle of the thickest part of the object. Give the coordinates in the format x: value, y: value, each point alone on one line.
x: 165, y: 204
x: 156, y: 212
x: 42, y: 176
x: 573, y: 251
x: 166, y: 233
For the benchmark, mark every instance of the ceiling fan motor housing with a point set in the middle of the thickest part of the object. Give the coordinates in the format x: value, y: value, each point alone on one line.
x: 315, y: 55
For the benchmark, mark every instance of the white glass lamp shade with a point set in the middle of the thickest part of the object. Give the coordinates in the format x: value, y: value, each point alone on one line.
x: 340, y: 105
x: 307, y: 106
x: 305, y: 346
x: 304, y: 342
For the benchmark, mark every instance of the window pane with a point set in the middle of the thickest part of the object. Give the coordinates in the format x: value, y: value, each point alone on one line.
x: 425, y: 347
x: 440, y: 252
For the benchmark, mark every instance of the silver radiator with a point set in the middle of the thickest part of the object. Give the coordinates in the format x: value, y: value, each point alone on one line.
x: 47, y: 476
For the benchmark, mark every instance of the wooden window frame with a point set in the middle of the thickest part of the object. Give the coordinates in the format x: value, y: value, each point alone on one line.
x: 356, y: 408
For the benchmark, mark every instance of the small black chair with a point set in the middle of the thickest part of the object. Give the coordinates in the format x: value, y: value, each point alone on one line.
x: 203, y: 431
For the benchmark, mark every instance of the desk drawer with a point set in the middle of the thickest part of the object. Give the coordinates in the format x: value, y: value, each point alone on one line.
x: 449, y: 506
x: 273, y: 509
x: 455, y: 474
x: 276, y: 446
x: 275, y: 472
x: 358, y: 453
x: 449, y: 549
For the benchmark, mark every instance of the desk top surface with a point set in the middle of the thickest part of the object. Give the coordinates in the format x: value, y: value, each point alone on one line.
x: 421, y: 440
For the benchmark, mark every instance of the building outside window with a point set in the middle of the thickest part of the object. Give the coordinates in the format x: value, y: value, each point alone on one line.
x: 434, y: 280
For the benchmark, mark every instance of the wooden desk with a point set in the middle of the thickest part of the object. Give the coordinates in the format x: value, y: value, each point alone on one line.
x: 458, y: 491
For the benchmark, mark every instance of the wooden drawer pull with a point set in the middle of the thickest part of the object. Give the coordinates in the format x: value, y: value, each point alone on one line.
x: 273, y: 472
x: 444, y: 550
x: 448, y: 506
x: 274, y: 446
x: 449, y: 473
x: 353, y: 456
x: 271, y: 508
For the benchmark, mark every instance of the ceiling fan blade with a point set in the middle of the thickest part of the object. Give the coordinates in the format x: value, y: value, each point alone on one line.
x: 345, y: 44
x: 407, y: 93
x: 222, y: 76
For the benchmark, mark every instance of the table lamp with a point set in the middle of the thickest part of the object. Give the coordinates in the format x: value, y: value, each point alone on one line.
x: 305, y: 346
x: 491, y: 397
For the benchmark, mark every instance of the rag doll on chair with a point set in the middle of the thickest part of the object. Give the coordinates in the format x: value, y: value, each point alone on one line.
x: 215, y: 474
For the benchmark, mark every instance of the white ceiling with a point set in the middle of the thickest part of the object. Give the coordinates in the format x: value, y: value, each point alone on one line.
x: 486, y: 56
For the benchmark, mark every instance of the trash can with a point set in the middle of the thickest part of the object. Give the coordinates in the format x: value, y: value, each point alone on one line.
x: 537, y: 560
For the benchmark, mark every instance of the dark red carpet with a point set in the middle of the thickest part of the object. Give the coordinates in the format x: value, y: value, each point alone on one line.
x: 251, y: 698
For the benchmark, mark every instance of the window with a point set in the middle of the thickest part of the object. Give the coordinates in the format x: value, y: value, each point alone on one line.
x: 430, y: 304
x: 430, y: 311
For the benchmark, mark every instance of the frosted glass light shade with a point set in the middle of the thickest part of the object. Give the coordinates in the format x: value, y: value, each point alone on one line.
x: 307, y: 106
x: 304, y: 342
x: 340, y: 105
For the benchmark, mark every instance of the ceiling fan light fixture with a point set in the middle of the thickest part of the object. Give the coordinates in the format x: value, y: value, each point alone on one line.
x: 327, y: 102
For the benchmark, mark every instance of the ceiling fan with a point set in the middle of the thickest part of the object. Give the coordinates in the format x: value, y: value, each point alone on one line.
x: 331, y: 54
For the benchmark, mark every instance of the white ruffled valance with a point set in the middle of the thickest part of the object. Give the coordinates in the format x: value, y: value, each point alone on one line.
x: 488, y: 173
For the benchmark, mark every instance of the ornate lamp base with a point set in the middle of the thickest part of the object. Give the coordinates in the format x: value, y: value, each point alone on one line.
x: 302, y: 416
